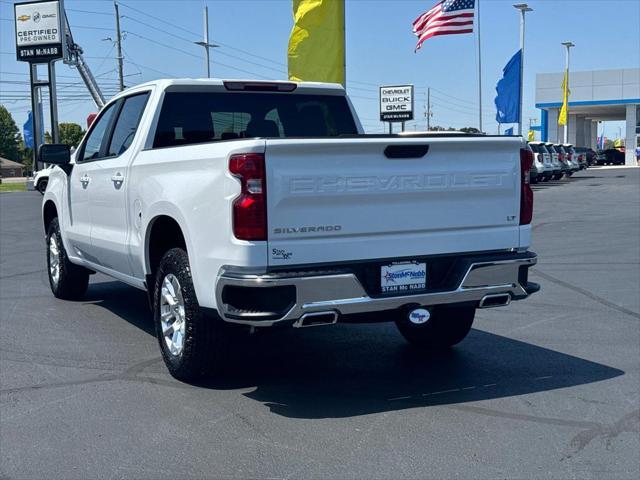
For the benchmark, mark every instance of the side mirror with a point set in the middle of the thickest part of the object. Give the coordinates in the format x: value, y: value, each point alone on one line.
x: 56, y: 154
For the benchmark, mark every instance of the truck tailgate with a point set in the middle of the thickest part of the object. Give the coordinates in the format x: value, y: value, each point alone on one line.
x: 343, y: 199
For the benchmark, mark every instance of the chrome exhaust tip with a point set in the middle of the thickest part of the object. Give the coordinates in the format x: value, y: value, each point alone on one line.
x: 495, y: 300
x: 313, y: 319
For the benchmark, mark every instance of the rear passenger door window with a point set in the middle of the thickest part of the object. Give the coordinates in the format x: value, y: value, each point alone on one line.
x: 127, y: 124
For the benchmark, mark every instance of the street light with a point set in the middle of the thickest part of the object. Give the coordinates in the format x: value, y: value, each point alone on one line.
x: 524, y: 8
x: 568, y: 45
x: 205, y: 43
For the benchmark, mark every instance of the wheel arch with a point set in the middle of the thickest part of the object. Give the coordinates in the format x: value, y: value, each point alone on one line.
x: 163, y: 233
x: 49, y: 212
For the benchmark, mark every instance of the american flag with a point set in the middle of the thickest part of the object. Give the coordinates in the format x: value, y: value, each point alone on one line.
x: 448, y: 17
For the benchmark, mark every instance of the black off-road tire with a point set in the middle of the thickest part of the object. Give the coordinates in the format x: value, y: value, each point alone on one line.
x: 206, y: 336
x: 448, y: 325
x: 73, y: 280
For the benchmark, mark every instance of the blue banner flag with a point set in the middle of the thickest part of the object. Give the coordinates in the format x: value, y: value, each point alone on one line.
x: 509, y: 131
x: 508, y: 88
x: 27, y: 131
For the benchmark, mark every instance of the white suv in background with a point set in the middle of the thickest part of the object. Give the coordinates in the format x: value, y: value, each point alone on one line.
x: 542, y: 169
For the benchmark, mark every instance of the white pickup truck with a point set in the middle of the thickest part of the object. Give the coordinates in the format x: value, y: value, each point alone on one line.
x: 240, y: 205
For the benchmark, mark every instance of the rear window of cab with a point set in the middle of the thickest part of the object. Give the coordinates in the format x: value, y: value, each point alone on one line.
x: 199, y: 117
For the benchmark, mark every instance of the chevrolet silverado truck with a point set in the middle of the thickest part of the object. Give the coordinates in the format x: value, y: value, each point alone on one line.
x: 244, y: 205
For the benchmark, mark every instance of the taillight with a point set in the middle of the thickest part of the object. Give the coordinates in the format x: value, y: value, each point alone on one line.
x: 250, y: 208
x: 526, y: 194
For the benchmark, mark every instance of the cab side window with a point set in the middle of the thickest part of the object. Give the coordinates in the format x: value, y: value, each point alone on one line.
x: 127, y: 124
x: 95, y: 139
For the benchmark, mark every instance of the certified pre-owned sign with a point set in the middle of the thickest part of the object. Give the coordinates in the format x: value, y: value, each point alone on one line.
x: 396, y: 103
x: 39, y: 33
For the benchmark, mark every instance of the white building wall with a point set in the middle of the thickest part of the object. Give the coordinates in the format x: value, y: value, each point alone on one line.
x: 591, y: 86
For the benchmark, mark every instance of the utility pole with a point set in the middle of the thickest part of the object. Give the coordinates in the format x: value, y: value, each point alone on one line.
x: 524, y: 8
x: 205, y: 43
x: 119, y: 46
x: 428, y: 112
x: 568, y: 45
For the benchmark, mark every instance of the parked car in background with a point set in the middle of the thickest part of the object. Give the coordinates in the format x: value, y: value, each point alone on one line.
x: 586, y: 156
x: 542, y: 163
x: 610, y: 156
x: 558, y: 170
x: 582, y: 156
x: 555, y: 161
x: 572, y: 157
x: 564, y: 160
x: 41, y: 179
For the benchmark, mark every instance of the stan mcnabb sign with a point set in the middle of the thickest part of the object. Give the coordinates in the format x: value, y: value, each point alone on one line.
x: 39, y: 34
x: 396, y: 103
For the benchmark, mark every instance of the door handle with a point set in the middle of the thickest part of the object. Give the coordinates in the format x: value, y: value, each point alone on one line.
x: 85, y: 179
x: 117, y: 178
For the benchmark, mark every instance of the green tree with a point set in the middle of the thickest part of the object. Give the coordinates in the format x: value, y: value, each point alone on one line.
x: 9, y: 136
x: 26, y: 156
x: 470, y: 130
x: 70, y: 134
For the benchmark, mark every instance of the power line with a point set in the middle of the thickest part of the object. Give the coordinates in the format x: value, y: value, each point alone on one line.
x: 191, y: 54
x: 190, y: 32
x: 186, y: 40
x: 86, y: 11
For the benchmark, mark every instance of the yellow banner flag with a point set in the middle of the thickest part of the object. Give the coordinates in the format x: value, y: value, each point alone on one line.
x: 316, y: 45
x: 562, y: 118
x: 531, y: 136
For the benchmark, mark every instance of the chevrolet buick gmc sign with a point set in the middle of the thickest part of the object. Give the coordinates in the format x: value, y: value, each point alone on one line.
x: 38, y: 31
x: 396, y: 103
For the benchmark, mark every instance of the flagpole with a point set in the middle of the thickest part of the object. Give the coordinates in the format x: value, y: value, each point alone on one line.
x: 523, y: 7
x: 479, y: 70
x: 568, y: 45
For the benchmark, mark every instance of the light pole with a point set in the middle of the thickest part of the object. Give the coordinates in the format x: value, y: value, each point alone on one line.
x: 205, y: 43
x: 524, y: 8
x: 568, y: 45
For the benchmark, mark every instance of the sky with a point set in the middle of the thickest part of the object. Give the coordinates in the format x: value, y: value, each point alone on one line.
x: 253, y: 37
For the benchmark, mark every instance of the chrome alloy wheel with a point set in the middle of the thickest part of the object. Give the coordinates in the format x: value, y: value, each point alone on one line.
x: 54, y: 260
x: 172, y: 314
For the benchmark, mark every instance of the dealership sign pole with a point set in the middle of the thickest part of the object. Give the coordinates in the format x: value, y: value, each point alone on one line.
x: 396, y: 104
x: 40, y: 40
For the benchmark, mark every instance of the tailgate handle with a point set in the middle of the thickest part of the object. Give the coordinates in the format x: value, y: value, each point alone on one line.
x: 406, y: 151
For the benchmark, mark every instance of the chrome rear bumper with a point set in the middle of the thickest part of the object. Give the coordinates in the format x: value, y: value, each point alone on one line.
x: 344, y: 294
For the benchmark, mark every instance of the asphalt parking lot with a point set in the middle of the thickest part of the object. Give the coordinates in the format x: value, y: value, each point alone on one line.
x: 547, y: 388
